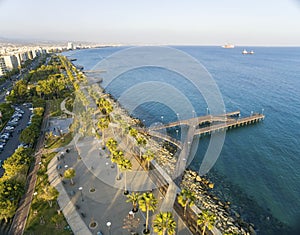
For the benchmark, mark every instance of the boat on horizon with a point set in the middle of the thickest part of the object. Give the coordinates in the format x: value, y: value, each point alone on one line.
x: 245, y: 52
x: 228, y: 46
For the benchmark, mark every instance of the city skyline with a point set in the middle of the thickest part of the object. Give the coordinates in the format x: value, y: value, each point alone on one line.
x: 260, y: 23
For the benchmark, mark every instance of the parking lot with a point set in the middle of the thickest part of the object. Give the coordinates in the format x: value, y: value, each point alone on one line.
x: 9, y: 136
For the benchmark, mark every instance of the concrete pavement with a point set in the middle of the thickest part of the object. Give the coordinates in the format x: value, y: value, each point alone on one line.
x: 99, y: 200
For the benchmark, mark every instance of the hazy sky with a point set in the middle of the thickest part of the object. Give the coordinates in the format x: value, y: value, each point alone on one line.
x: 200, y: 22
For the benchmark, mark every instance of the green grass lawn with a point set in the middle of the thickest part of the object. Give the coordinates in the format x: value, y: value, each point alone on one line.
x: 57, y: 141
x: 55, y: 107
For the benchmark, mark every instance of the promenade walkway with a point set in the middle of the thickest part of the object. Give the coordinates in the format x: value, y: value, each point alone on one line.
x: 102, y: 198
x: 107, y: 203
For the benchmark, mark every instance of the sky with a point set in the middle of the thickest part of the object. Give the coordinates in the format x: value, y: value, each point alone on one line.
x: 172, y: 22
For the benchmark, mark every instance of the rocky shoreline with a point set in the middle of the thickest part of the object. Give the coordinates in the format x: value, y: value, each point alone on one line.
x: 227, y: 220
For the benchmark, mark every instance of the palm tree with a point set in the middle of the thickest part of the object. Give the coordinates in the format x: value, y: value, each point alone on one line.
x: 186, y: 198
x: 111, y: 144
x: 133, y: 132
x: 125, y: 130
x: 70, y: 174
x: 104, y: 106
x: 133, y: 198
x: 164, y: 223
x: 141, y: 141
x: 148, y: 156
x: 117, y: 157
x: 103, y: 124
x: 125, y: 166
x: 207, y: 220
x: 147, y: 202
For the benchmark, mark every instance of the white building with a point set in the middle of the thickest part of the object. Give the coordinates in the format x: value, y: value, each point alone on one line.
x: 70, y: 46
x: 3, y: 69
x: 11, y: 62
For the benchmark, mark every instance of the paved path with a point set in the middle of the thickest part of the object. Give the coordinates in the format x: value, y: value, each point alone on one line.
x: 63, y: 107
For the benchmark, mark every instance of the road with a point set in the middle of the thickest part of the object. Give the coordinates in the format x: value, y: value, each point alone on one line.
x: 20, y: 218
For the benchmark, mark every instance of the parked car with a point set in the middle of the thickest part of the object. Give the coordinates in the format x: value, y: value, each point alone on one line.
x: 16, y: 119
x: 6, y: 137
x: 9, y: 128
x: 17, y: 115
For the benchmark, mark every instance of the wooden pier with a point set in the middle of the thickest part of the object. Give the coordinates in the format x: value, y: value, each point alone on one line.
x: 198, y: 120
x: 229, y: 124
x: 215, y: 124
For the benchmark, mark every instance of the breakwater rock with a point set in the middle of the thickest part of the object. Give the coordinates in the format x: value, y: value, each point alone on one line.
x: 228, y: 221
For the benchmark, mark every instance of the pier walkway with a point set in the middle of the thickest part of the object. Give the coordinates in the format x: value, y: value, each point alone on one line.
x: 230, y: 124
x: 231, y: 121
x: 198, y: 120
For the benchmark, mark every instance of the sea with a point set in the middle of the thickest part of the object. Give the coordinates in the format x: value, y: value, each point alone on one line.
x: 258, y: 169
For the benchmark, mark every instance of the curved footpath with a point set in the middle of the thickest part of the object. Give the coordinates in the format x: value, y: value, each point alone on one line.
x: 63, y: 107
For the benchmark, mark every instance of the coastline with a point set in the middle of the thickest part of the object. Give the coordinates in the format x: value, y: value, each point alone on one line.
x: 225, y: 222
x: 261, y: 132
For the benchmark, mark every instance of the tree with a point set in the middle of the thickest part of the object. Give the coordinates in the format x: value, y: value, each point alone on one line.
x: 186, y: 198
x: 141, y: 141
x: 125, y: 166
x: 147, y: 202
x: 111, y: 144
x: 70, y: 174
x: 7, y: 209
x: 206, y: 219
x: 49, y: 194
x: 117, y: 157
x: 105, y: 106
x: 103, y: 124
x: 133, y: 132
x: 133, y: 198
x: 148, y: 156
x: 164, y: 224
x: 28, y: 135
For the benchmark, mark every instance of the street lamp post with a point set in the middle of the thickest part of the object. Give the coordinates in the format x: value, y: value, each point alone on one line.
x: 80, y: 189
x: 207, y: 111
x: 108, y: 224
x: 162, y: 119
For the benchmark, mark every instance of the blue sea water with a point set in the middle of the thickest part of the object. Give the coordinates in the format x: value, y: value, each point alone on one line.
x: 261, y: 161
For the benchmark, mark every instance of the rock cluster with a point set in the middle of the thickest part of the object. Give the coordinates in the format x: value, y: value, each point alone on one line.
x: 227, y: 220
